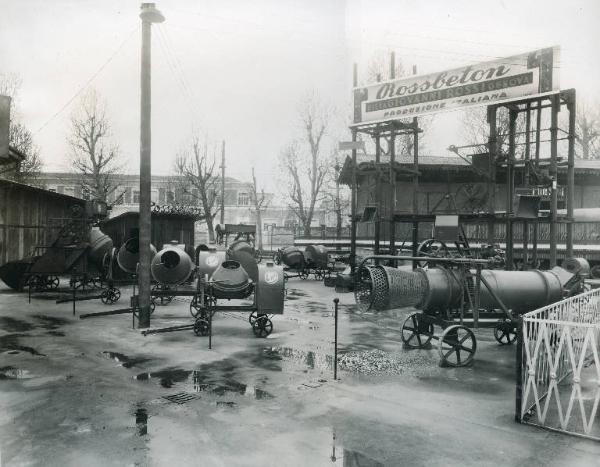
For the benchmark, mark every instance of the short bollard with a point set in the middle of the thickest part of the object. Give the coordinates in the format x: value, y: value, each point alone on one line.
x: 336, y: 301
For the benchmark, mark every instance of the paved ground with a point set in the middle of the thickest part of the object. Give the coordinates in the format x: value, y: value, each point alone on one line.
x: 97, y: 393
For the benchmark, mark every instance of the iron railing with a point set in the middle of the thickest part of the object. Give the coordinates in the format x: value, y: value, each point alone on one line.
x: 558, y: 383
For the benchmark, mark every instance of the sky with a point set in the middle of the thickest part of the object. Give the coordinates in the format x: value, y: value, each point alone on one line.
x: 237, y: 70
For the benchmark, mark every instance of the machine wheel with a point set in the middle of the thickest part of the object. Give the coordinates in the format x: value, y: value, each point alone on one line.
x: 195, y: 306
x: 457, y: 346
x: 319, y: 275
x: 277, y: 258
x: 505, y: 332
x: 303, y: 275
x: 52, y: 282
x: 252, y: 318
x: 201, y: 327
x: 162, y: 300
x: 110, y: 295
x: 416, y: 334
x: 152, y: 308
x: 262, y: 326
x: 433, y: 248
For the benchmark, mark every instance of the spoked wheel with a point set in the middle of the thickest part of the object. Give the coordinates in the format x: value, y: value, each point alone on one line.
x: 202, y: 327
x: 457, y: 346
x: 195, y: 306
x: 303, y: 275
x: 253, y: 317
x: 434, y: 249
x: 52, y: 282
x: 110, y: 295
x: 505, y: 332
x: 277, y: 258
x: 136, y: 311
x: 262, y: 326
x: 416, y: 332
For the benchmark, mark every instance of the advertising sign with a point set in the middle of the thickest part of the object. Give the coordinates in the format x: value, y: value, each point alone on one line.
x: 526, y: 75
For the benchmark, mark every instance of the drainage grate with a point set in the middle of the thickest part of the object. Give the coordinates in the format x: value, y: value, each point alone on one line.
x: 181, y: 397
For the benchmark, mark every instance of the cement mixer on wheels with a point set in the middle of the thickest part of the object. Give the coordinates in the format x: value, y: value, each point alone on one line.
x: 448, y: 292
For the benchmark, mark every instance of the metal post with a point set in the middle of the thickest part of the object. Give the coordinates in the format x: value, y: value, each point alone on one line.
x: 377, y: 192
x: 491, y: 118
x: 510, y: 189
x: 223, y: 183
x: 209, y: 328
x: 538, y: 127
x: 415, y: 203
x: 519, y: 372
x: 392, y: 151
x: 554, y: 177
x: 74, y: 289
x: 527, y: 182
x: 572, y: 107
x: 149, y: 15
x: 354, y: 190
x: 336, y: 302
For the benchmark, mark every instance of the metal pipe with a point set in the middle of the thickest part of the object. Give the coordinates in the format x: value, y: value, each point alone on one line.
x: 572, y: 107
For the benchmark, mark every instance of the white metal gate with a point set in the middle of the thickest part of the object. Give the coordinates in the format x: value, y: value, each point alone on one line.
x: 559, y: 386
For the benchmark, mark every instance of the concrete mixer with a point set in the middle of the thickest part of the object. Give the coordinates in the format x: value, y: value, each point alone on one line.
x: 224, y: 275
x: 454, y: 291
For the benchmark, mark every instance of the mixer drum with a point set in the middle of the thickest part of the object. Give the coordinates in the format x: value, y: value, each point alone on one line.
x: 209, y: 261
x: 316, y: 256
x: 129, y: 255
x: 231, y: 281
x: 171, y: 266
x: 100, y: 244
x: 293, y: 257
x: 241, y: 245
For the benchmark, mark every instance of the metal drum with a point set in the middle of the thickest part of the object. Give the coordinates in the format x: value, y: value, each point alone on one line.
x: 270, y: 289
x: 231, y: 281
x: 241, y: 245
x: 171, y: 266
x: 129, y: 255
x: 293, y: 257
x: 100, y: 244
x: 208, y: 261
x: 316, y: 256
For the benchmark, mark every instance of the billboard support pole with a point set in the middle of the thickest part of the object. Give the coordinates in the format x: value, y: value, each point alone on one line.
x: 510, y: 188
x: 491, y: 118
x: 554, y: 177
x: 392, y: 151
x: 353, y: 200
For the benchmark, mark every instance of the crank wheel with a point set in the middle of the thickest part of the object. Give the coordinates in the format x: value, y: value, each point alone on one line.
x: 505, y: 332
x: 416, y: 332
x: 202, y: 327
x: 262, y: 326
x: 432, y: 248
x: 457, y: 346
x: 252, y: 318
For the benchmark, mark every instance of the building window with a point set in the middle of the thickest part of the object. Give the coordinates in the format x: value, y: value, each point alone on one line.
x: 170, y: 197
x: 243, y: 198
x: 136, y: 197
x: 162, y: 195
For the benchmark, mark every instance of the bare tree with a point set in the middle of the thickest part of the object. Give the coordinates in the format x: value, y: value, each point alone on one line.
x: 93, y: 155
x: 197, y: 180
x: 588, y: 130
x: 260, y: 203
x: 20, y: 138
x: 340, y: 203
x: 307, y: 169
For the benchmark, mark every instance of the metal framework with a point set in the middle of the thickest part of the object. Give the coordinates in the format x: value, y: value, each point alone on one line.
x: 531, y: 160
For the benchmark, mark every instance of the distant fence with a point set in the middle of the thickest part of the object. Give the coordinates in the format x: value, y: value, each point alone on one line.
x: 559, y: 386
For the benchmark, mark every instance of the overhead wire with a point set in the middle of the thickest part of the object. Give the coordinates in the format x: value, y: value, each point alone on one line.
x: 88, y: 82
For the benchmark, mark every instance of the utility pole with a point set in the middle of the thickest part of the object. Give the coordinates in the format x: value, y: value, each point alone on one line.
x: 223, y: 183
x: 148, y: 15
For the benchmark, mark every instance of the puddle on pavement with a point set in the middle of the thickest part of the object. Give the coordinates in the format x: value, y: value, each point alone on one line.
x: 306, y: 358
x: 10, y: 372
x: 124, y: 360
x: 15, y: 325
x: 141, y: 421
x: 51, y: 322
x: 9, y: 343
x: 201, y: 381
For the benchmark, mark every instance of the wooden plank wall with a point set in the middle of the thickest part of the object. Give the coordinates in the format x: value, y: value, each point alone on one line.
x: 26, y: 215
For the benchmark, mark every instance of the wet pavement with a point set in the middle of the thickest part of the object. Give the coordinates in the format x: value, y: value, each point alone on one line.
x: 96, y: 392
